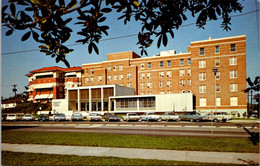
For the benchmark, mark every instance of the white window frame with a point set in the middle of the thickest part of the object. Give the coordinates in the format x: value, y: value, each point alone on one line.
x: 202, y: 51
x: 233, y: 61
x: 233, y: 87
x: 202, y: 76
x: 189, y: 82
x: 169, y: 83
x: 100, y: 78
x: 189, y: 72
x: 109, y: 77
x: 115, y: 68
x: 233, y: 49
x: 169, y: 63
x: 218, y: 101
x: 161, y: 74
x: 149, y: 75
x: 142, y: 66
x: 161, y: 64
x: 203, y: 102
x: 129, y: 75
x: 202, y: 89
x: 217, y: 87
x: 161, y: 84
x: 149, y: 65
x: 202, y: 64
x: 182, y: 72
x: 168, y: 73
x: 181, y: 62
x: 142, y: 85
x: 109, y: 68
x: 217, y: 62
x: 182, y: 82
x: 149, y: 84
x: 115, y: 77
x: 142, y: 75
x: 233, y: 74
x: 120, y: 67
x: 233, y: 101
x: 217, y: 49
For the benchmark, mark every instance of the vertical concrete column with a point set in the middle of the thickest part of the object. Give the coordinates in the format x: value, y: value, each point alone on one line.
x: 137, y: 104
x: 90, y: 100
x: 79, y: 102
x: 102, y: 99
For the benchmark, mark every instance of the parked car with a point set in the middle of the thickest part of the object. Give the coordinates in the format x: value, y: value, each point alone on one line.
x: 59, y: 117
x: 28, y: 117
x: 76, y: 116
x: 68, y: 116
x: 219, y: 116
x: 111, y: 117
x: 94, y: 116
x: 150, y: 116
x: 3, y: 117
x: 193, y: 117
x: 131, y: 116
x: 43, y: 117
x: 12, y: 117
x: 170, y: 116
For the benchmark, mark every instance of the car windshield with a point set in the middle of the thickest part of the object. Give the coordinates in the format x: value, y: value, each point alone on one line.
x: 152, y: 113
x: 11, y: 115
x: 27, y: 115
x: 77, y: 114
x: 93, y: 114
x: 132, y: 114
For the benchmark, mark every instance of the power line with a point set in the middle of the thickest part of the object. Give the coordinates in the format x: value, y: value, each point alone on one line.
x: 125, y: 36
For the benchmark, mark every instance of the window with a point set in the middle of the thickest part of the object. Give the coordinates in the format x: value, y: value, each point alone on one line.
x: 181, y: 62
x: 142, y: 75
x: 233, y: 74
x: 218, y: 102
x: 149, y: 92
x: 120, y: 67
x: 233, y: 101
x: 109, y: 68
x: 182, y: 91
x: 233, y: 47
x: 121, y: 76
x: 182, y: 72
x: 142, y: 85
x: 217, y: 88
x: 217, y: 49
x: 202, y: 51
x: 100, y: 78
x: 189, y: 72
x: 169, y: 92
x: 149, y: 65
x: 161, y: 74
x: 202, y: 64
x: 149, y: 75
x: 109, y: 78
x: 169, y: 63
x: 233, y: 87
x: 203, y: 102
x: 233, y: 61
x: 92, y: 71
x: 115, y: 68
x: 161, y: 64
x: 142, y: 66
x: 115, y: 77
x: 169, y: 83
x: 129, y: 84
x: 189, y: 91
x: 86, y: 80
x: 202, y: 76
x: 129, y: 75
x: 91, y: 79
x: 149, y: 85
x: 86, y: 71
x: 169, y: 73
x: 182, y: 82
x: 217, y: 75
x: 202, y: 89
x: 142, y: 93
x: 189, y: 82
x: 161, y: 92
x: 161, y: 84
x: 189, y: 61
x: 217, y: 62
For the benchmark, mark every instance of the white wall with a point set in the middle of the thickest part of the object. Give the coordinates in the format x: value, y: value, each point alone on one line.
x: 178, y: 102
x: 60, y: 106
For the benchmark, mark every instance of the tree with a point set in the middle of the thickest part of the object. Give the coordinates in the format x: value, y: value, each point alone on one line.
x: 253, y: 86
x: 45, y: 20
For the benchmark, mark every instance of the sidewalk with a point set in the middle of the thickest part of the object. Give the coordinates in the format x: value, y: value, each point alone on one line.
x: 197, y: 156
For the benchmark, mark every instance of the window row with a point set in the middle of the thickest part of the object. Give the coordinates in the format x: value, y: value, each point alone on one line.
x: 233, y: 88
x: 232, y: 62
x: 233, y: 101
x: 162, y: 64
x: 232, y: 75
x: 120, y: 68
x: 217, y: 49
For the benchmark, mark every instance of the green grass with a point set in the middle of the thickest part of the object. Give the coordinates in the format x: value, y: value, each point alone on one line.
x: 131, y: 141
x: 18, y: 158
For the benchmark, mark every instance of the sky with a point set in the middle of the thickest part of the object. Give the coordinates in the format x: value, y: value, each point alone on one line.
x: 18, y: 58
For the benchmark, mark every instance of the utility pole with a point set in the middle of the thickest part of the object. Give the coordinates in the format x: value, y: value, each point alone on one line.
x: 14, y: 90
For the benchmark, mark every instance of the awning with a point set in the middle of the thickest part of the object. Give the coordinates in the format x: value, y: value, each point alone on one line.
x: 44, y: 96
x: 43, y: 86
x: 70, y: 74
x: 43, y: 74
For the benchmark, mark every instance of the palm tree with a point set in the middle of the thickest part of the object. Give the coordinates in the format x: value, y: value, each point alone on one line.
x: 253, y: 86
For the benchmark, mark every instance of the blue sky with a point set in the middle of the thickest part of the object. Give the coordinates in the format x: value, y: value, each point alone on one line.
x: 14, y: 66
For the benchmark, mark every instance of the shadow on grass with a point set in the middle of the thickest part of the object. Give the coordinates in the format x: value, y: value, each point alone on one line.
x: 15, y: 127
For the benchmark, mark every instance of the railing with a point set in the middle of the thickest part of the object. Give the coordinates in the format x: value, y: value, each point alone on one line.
x: 46, y: 80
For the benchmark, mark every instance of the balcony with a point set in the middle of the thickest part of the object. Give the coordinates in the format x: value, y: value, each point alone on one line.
x: 46, y: 80
x: 72, y: 79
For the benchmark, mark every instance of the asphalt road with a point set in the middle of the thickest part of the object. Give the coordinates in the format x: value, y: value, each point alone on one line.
x: 201, y: 129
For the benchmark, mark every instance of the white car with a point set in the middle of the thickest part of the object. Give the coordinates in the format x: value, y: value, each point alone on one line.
x: 150, y: 116
x: 131, y: 116
x: 170, y: 116
x: 94, y: 116
x: 219, y: 116
x: 28, y: 117
x: 12, y: 117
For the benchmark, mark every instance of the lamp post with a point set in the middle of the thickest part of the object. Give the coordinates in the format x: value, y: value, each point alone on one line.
x: 215, y: 73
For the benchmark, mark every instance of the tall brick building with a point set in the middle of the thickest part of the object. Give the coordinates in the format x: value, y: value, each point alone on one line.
x: 169, y: 73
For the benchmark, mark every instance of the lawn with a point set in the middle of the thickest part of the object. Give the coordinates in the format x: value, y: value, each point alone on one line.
x: 18, y: 158
x: 131, y: 141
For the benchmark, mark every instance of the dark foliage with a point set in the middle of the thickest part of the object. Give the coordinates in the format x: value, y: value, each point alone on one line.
x: 44, y: 20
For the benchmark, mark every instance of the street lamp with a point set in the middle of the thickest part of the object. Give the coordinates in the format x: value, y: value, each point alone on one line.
x: 215, y: 70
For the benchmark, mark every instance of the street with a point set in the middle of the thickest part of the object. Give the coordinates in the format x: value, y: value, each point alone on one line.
x: 201, y: 129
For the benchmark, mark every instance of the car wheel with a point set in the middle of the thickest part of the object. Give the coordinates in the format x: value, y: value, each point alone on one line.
x: 147, y: 120
x: 167, y: 120
x: 127, y: 120
x: 108, y: 120
x: 224, y: 120
x: 215, y: 120
x: 192, y: 120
